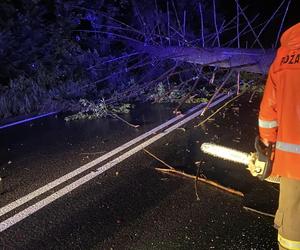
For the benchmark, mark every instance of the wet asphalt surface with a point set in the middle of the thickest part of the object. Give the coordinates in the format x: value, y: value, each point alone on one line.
x: 133, y: 206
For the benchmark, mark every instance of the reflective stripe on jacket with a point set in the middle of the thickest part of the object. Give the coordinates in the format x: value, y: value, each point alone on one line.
x: 279, y: 116
x: 288, y: 244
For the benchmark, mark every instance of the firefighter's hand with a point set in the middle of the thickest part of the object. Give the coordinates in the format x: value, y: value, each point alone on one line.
x: 265, y: 141
x: 261, y: 146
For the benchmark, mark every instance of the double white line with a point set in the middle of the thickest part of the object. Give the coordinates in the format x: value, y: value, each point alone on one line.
x: 179, y: 121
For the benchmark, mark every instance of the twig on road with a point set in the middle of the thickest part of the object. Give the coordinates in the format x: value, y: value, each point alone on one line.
x: 218, y: 110
x: 217, y: 92
x: 123, y: 120
x: 252, y: 96
x: 259, y: 212
x: 156, y: 158
x: 176, y: 172
x: 199, y: 164
x: 184, y: 98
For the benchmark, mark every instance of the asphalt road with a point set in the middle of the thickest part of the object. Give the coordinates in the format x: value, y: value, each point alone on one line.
x: 131, y: 205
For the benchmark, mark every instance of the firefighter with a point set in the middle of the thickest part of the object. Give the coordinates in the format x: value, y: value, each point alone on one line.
x: 279, y: 123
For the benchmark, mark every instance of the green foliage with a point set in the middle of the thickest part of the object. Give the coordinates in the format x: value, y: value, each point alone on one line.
x: 193, y: 99
x: 44, y: 67
x: 91, y: 110
x: 162, y: 95
x: 41, y: 93
x: 122, y: 109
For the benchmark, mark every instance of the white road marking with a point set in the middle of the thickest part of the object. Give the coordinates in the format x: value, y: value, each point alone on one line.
x: 49, y: 199
x: 15, y: 204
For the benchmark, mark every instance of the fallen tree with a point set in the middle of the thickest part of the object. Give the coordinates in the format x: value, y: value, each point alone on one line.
x: 132, y: 51
x: 248, y: 60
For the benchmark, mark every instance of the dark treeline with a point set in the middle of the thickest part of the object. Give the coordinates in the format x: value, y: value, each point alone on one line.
x: 46, y: 64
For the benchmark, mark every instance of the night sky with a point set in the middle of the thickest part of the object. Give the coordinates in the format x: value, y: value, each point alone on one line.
x: 265, y: 9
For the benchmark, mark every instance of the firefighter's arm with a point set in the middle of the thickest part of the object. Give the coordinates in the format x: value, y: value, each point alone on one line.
x: 268, y: 122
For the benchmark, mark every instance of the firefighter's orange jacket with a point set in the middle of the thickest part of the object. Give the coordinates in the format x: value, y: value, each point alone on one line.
x: 279, y: 116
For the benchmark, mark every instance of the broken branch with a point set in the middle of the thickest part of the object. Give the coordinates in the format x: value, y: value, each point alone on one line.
x: 123, y: 120
x: 218, y: 110
x: 215, y: 184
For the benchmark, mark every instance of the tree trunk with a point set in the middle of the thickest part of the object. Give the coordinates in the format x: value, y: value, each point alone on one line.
x: 250, y: 60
